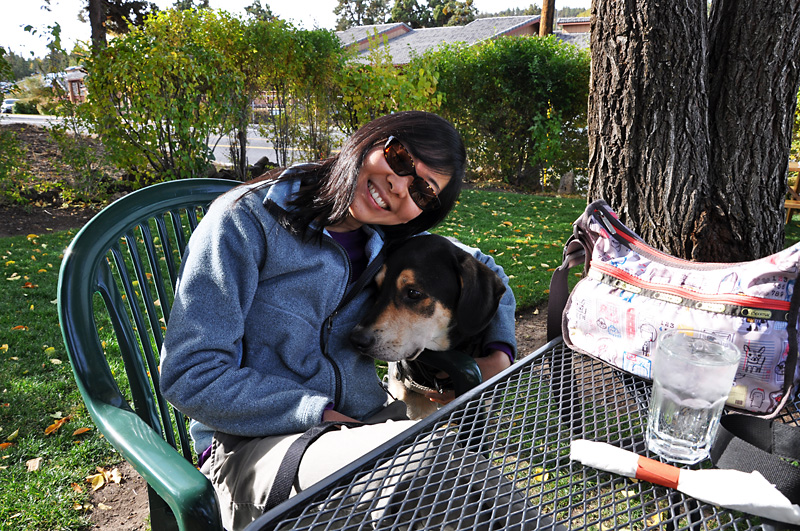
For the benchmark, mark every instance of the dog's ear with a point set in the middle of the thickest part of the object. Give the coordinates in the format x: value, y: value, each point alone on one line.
x: 481, y: 291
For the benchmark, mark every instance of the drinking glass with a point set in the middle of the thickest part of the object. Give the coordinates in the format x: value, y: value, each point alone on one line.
x: 693, y: 374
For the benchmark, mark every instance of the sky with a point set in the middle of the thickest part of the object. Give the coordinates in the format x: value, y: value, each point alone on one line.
x: 308, y: 14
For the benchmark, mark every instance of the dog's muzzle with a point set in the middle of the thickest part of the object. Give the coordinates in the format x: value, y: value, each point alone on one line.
x: 362, y: 339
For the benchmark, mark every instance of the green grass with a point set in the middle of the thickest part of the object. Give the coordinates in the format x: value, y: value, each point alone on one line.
x: 524, y: 233
x: 37, y: 390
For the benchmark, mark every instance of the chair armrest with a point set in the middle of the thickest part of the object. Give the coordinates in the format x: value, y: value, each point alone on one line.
x: 189, y: 494
x: 461, y: 367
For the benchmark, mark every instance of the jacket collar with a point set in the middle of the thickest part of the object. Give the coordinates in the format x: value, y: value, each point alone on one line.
x: 280, y: 194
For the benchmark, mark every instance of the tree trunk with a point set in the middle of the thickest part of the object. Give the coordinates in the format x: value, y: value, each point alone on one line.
x: 690, y: 122
x: 753, y: 67
x: 546, y: 20
x: 97, y: 21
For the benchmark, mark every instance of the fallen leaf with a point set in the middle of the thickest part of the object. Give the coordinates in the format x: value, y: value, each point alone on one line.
x: 52, y: 428
x: 56, y: 361
x: 32, y: 236
x: 33, y: 464
x: 654, y: 520
x: 49, y: 350
x: 29, y: 285
x: 4, y: 347
x: 20, y: 327
x: 80, y: 431
x: 115, y: 476
x: 15, y: 276
x: 13, y: 435
x: 103, y: 506
x: 6, y: 445
x: 97, y: 480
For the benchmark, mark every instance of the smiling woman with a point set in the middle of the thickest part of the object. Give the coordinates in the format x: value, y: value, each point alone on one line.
x: 302, y: 245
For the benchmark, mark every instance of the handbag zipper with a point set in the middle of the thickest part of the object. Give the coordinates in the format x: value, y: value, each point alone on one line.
x: 621, y: 232
x: 741, y: 305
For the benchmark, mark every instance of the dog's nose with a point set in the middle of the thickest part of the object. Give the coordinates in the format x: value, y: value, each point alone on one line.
x: 361, y: 339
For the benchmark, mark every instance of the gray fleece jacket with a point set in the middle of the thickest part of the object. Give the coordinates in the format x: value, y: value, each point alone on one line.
x: 257, y: 341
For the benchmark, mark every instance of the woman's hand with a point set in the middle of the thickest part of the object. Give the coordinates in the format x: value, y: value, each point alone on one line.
x: 496, y: 362
x: 335, y: 416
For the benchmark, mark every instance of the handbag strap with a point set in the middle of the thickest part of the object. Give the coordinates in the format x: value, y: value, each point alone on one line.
x: 749, y: 443
x: 559, y: 288
x: 578, y: 250
x: 281, y: 488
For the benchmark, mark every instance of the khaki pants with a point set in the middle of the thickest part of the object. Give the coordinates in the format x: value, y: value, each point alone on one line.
x: 242, y: 469
x: 465, y: 487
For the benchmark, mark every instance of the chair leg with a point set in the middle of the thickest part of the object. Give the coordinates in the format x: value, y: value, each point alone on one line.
x: 161, y: 516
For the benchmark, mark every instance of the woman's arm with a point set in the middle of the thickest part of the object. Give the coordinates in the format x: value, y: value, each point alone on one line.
x: 203, y: 370
x: 502, y: 328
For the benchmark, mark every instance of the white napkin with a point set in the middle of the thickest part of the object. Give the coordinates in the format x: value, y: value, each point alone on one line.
x: 740, y: 491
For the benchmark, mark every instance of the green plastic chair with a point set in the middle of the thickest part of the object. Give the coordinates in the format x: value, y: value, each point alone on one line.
x: 115, y: 291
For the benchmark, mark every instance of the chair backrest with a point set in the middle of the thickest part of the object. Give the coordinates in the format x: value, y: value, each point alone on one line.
x: 115, y: 291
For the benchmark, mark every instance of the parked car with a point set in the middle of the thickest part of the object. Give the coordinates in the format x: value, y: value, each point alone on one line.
x: 8, y: 105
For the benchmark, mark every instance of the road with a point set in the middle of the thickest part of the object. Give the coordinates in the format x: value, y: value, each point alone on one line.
x: 257, y: 147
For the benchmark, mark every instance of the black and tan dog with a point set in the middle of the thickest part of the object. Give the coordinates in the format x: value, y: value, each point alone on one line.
x: 431, y: 295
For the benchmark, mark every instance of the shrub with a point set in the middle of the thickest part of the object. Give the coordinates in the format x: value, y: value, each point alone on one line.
x: 13, y: 168
x: 157, y: 94
x: 27, y: 107
x: 91, y: 173
x: 519, y: 102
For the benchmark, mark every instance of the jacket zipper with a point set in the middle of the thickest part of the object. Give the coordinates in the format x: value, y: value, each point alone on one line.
x: 325, y: 331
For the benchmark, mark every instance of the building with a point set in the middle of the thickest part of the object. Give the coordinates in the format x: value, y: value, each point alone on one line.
x: 403, y: 42
x: 74, y: 85
x: 574, y: 25
x: 70, y: 81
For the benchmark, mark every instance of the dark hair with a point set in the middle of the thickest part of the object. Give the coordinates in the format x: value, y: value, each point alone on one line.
x: 328, y: 189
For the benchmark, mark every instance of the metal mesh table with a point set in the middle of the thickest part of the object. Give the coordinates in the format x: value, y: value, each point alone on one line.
x: 498, y: 458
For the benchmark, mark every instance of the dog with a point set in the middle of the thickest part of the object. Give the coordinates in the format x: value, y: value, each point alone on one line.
x: 433, y: 295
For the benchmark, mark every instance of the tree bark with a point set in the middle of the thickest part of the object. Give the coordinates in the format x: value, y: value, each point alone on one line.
x: 97, y: 22
x: 690, y: 122
x: 753, y: 68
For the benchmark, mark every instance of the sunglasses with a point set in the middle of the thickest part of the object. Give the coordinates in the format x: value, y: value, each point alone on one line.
x: 400, y: 161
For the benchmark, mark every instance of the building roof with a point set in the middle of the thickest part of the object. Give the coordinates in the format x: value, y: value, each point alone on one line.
x: 574, y: 20
x: 416, y: 41
x: 362, y: 33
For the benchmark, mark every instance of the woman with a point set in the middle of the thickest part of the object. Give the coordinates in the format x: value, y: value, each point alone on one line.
x: 275, y: 277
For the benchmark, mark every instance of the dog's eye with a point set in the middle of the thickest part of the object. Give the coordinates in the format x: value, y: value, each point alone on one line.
x: 414, y: 294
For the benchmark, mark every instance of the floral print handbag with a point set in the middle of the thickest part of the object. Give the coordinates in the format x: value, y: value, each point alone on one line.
x: 632, y: 292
